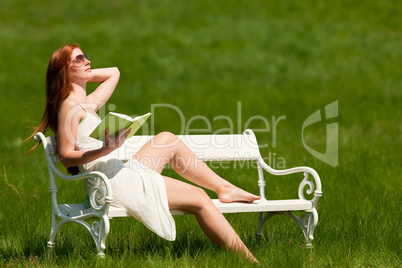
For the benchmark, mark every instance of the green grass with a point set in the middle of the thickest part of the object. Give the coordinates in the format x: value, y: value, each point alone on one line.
x: 287, y: 58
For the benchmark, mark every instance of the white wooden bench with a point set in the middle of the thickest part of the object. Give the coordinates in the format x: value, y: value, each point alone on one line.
x: 238, y: 147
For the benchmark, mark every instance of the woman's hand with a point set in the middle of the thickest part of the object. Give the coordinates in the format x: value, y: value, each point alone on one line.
x: 110, y: 144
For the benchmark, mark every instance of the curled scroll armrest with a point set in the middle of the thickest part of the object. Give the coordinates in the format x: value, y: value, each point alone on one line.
x: 305, y: 182
x: 100, y: 194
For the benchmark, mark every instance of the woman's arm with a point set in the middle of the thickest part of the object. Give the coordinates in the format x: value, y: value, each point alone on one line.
x: 108, y: 77
x: 69, y: 117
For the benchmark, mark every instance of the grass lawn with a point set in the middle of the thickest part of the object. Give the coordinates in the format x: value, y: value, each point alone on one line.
x: 281, y: 61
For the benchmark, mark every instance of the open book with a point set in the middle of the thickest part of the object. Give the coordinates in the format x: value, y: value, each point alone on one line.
x: 115, y: 122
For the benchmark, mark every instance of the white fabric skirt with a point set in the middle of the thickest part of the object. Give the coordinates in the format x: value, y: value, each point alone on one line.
x: 142, y: 192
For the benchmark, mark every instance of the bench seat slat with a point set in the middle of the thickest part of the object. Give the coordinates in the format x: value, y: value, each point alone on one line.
x: 263, y: 206
x: 235, y: 207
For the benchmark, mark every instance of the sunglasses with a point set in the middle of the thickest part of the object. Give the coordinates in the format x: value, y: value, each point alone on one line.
x: 79, y: 60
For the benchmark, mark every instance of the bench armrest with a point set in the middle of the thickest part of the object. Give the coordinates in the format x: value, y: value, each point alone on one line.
x: 101, y: 189
x: 100, y: 194
x: 313, y: 187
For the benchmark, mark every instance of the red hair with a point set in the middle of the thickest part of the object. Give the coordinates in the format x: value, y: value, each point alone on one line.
x: 58, y: 87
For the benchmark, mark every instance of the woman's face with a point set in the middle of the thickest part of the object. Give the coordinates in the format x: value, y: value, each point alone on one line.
x: 80, y: 67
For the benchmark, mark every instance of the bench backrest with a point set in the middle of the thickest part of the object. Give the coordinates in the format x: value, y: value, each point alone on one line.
x: 233, y: 147
x: 207, y: 147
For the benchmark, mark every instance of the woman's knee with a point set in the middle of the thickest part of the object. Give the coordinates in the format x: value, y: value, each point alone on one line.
x: 166, y: 138
x: 201, y: 199
x: 200, y: 193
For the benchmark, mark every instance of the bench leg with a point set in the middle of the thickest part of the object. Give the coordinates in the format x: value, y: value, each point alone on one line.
x: 262, y: 219
x: 312, y: 220
x: 307, y: 223
x: 99, y: 232
x: 54, y: 229
x: 51, y: 243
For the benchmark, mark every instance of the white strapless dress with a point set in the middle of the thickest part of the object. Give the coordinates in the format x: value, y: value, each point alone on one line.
x: 140, y: 190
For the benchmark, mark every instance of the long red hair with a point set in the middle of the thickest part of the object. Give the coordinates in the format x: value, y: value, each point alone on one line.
x: 58, y: 87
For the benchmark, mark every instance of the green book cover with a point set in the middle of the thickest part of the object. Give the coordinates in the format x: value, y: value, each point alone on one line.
x: 115, y: 122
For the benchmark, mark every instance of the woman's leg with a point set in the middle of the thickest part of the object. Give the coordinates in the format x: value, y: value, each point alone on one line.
x: 183, y: 196
x: 168, y: 148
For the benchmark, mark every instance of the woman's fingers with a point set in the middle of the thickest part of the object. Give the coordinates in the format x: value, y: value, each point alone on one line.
x: 106, y: 140
x: 121, y: 138
x: 127, y: 133
x: 118, y: 140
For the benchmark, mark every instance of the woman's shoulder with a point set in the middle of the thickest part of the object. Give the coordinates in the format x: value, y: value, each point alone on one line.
x: 70, y: 108
x: 69, y: 103
x: 73, y: 103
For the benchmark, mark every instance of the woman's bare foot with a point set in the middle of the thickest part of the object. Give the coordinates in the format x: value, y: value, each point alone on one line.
x: 230, y: 193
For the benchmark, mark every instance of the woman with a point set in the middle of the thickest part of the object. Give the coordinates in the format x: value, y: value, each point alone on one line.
x: 71, y: 114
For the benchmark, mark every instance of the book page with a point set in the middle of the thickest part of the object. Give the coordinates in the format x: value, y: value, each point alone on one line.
x: 124, y: 116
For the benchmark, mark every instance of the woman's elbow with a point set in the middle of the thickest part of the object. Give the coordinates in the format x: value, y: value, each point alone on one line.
x: 65, y: 161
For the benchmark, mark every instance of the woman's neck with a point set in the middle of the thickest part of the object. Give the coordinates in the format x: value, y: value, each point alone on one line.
x: 79, y: 92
